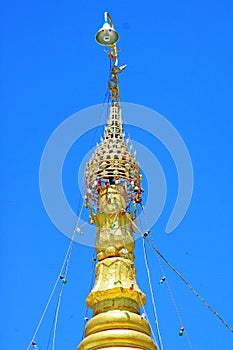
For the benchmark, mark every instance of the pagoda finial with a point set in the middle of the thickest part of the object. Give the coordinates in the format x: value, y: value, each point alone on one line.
x: 113, y: 183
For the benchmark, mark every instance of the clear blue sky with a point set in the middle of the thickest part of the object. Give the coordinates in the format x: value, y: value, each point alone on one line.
x: 179, y: 57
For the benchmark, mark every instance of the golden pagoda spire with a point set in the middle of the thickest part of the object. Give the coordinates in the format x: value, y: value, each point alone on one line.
x: 113, y: 186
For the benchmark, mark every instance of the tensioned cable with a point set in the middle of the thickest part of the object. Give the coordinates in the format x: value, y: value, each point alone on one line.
x: 77, y: 229
x: 174, y: 303
x: 50, y: 297
x: 64, y: 278
x: 184, y: 280
x: 126, y: 127
x: 56, y: 282
x: 65, y: 259
x: 145, y: 217
x: 52, y: 327
x: 89, y: 289
x: 56, y: 316
x: 106, y: 98
x: 134, y: 278
x: 152, y: 295
x: 139, y: 295
x: 103, y: 108
x: 143, y: 306
x: 151, y: 289
x: 168, y: 288
x: 189, y: 286
x: 60, y: 295
x: 171, y: 296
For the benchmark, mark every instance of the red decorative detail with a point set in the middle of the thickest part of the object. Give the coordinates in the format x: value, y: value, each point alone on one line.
x: 132, y: 286
x: 99, y: 183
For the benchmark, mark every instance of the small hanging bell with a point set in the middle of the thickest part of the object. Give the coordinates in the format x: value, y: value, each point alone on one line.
x: 163, y: 279
x: 146, y: 233
x: 64, y: 281
x: 34, y: 345
x: 143, y: 316
x: 181, y: 332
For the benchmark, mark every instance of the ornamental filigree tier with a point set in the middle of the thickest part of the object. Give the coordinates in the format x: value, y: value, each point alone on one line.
x: 113, y: 162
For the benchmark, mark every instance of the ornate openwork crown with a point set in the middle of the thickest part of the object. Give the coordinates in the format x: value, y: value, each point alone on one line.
x: 113, y: 163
